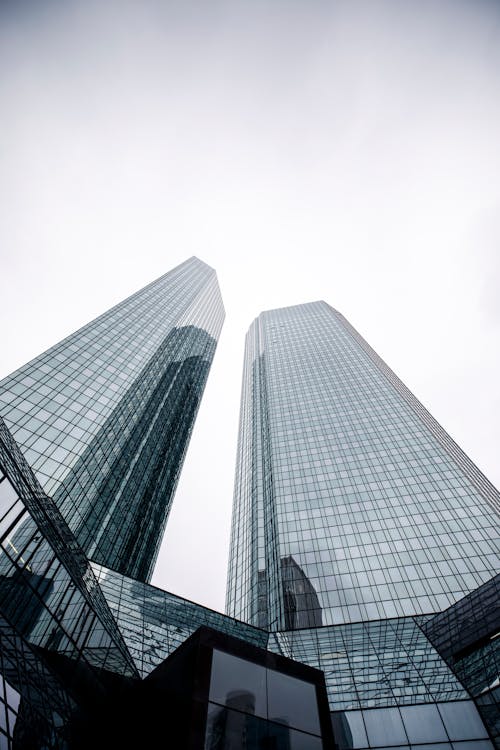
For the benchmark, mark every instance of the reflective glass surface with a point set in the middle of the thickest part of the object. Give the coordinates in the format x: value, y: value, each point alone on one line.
x: 228, y: 729
x: 421, y: 726
x: 238, y: 683
x: 384, y: 727
x: 259, y: 707
x: 349, y: 729
x: 154, y: 622
x: 292, y: 702
x: 466, y: 635
x: 423, y: 723
x: 373, y: 664
x: 9, y: 708
x: 351, y: 503
x: 462, y: 721
x: 104, y: 417
x: 54, y: 619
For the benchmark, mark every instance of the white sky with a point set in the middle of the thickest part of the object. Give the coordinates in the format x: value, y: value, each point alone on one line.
x: 346, y: 151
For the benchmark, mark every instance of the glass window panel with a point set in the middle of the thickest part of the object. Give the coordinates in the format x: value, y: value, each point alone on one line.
x: 349, y: 729
x: 384, y: 726
x: 462, y: 721
x: 423, y: 723
x: 299, y: 741
x: 232, y: 729
x: 7, y: 495
x: 237, y: 683
x: 292, y: 701
x: 12, y: 721
x: 11, y: 516
x: 476, y: 745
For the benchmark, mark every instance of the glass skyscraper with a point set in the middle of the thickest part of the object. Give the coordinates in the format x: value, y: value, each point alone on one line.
x: 362, y: 546
x: 104, y: 417
x: 351, y: 502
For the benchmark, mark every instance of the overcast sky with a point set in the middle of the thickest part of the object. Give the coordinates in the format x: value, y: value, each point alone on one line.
x: 346, y: 151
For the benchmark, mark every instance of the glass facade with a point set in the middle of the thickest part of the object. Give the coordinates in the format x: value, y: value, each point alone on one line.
x: 351, y: 505
x: 154, y: 622
x: 105, y: 416
x: 384, y: 673
x: 385, y: 680
x: 57, y: 631
x: 343, y: 477
x: 467, y: 635
x: 373, y: 664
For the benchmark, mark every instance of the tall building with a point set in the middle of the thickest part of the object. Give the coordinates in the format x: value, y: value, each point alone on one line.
x: 343, y: 471
x: 105, y: 416
x: 364, y: 540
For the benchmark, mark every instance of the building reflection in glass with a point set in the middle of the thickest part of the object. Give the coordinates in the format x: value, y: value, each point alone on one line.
x: 257, y: 708
x: 302, y: 608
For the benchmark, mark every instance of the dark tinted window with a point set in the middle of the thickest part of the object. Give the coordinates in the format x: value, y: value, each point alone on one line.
x: 292, y: 702
x: 238, y: 683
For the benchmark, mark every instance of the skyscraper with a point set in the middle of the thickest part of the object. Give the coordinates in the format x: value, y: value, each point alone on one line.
x: 342, y: 471
x: 92, y: 658
x: 337, y: 463
x: 364, y: 540
x: 104, y: 417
